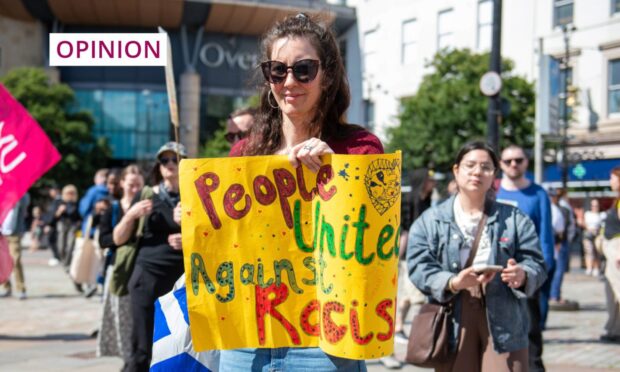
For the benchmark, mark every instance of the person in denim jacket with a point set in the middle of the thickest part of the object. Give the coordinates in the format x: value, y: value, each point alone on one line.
x: 490, y: 318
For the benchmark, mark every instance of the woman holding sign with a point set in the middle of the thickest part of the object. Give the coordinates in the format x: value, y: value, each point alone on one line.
x: 301, y: 114
x: 482, y: 258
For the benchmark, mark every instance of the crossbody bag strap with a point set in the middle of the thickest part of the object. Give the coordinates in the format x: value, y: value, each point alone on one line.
x: 474, y: 246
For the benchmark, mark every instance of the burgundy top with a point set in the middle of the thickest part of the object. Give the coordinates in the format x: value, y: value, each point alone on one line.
x: 357, y: 143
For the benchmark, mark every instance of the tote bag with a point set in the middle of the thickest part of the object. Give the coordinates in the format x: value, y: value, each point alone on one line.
x: 86, y: 261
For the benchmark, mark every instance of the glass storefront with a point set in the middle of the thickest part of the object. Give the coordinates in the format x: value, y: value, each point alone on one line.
x: 135, y: 122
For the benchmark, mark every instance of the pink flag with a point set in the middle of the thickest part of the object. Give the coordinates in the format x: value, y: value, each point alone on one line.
x: 26, y: 152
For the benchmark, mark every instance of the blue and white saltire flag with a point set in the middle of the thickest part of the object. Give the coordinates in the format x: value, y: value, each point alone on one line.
x: 172, y: 340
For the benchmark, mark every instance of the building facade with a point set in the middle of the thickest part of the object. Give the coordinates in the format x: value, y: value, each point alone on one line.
x: 215, y: 47
x: 397, y: 40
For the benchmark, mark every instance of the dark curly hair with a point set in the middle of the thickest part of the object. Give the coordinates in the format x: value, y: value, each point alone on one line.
x: 328, y: 122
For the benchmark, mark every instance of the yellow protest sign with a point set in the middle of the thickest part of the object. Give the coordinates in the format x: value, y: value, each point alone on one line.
x: 279, y: 256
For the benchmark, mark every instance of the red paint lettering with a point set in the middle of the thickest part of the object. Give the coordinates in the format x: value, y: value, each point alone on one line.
x: 323, y: 176
x: 381, y: 310
x: 301, y: 182
x: 234, y: 194
x: 310, y: 329
x: 285, y: 183
x: 355, y: 327
x: 205, y: 185
x: 269, y: 194
x: 265, y: 306
x: 333, y: 332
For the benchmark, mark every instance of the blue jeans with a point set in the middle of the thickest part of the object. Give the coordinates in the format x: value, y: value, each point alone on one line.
x: 286, y: 359
x: 560, y: 267
x: 544, y: 297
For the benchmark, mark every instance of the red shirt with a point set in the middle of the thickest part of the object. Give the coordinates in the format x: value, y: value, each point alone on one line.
x: 358, y: 142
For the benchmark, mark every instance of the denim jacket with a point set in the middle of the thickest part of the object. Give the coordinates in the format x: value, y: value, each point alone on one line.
x: 433, y: 258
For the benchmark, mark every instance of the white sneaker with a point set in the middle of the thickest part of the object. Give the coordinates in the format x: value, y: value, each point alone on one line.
x: 596, y: 273
x: 53, y: 262
x: 401, y: 338
x: 391, y: 363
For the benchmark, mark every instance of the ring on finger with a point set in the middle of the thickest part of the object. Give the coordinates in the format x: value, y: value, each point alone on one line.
x: 307, y: 147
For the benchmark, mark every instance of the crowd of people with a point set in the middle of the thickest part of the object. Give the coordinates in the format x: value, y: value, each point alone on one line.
x: 494, y: 250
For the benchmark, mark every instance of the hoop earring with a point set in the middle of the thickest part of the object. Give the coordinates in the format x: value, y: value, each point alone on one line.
x: 269, y: 100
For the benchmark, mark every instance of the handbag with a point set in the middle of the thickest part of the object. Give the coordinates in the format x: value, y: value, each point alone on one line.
x: 125, y: 257
x: 6, y: 261
x: 428, y: 344
x: 86, y: 261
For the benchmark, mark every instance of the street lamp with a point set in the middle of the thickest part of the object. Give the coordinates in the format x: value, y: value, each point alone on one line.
x: 565, y: 119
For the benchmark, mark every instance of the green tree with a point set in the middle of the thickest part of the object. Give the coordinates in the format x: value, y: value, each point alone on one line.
x: 216, y: 146
x: 448, y: 110
x: 70, y: 132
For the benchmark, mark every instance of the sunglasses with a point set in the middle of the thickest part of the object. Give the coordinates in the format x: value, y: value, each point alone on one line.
x: 518, y: 161
x: 234, y: 137
x: 304, y: 71
x: 165, y: 160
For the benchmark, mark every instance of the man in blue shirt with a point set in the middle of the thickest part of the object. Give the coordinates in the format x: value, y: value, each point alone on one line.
x: 515, y: 189
x: 93, y: 195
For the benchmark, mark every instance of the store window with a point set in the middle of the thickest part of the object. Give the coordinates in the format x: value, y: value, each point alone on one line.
x: 562, y: 12
x: 135, y: 122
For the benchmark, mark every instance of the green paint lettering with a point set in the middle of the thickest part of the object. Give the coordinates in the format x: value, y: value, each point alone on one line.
x: 198, y: 271
x: 343, y: 240
x: 249, y: 277
x: 310, y: 264
x: 327, y: 232
x: 361, y: 225
x: 384, y: 236
x: 299, y: 237
x: 284, y: 264
x: 322, y: 267
x: 226, y: 278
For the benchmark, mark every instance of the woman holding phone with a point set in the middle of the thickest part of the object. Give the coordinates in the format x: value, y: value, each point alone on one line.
x: 490, y: 319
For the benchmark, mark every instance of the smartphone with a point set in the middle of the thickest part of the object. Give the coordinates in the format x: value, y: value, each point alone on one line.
x: 484, y: 268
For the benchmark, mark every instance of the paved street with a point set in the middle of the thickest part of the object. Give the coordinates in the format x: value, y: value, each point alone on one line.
x: 50, y: 331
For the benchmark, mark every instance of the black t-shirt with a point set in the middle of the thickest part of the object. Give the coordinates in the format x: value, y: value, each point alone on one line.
x: 155, y: 255
x: 612, y: 222
x: 106, y: 227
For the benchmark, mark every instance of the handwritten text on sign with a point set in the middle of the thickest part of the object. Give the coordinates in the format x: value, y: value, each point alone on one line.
x: 277, y: 256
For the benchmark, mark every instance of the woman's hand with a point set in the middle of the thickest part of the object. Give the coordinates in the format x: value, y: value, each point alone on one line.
x: 309, y: 153
x: 467, y: 278
x: 513, y: 274
x: 175, y: 241
x: 141, y: 208
x: 61, y: 209
x: 176, y: 214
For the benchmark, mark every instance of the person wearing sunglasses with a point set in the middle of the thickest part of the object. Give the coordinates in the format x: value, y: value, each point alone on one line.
x: 158, y: 262
x: 517, y: 190
x: 301, y: 114
x: 239, y: 123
